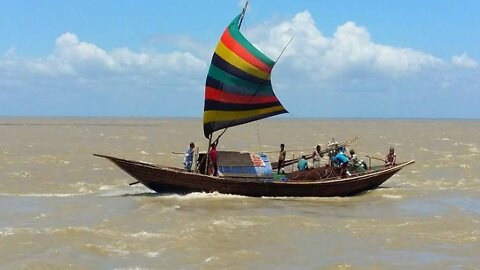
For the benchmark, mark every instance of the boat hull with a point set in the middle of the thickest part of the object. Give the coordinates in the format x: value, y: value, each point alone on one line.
x: 173, y: 180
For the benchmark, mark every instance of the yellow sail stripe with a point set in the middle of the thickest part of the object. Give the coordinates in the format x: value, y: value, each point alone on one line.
x: 211, y: 116
x: 229, y: 56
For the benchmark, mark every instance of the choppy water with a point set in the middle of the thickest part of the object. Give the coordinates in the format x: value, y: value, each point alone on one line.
x: 60, y: 207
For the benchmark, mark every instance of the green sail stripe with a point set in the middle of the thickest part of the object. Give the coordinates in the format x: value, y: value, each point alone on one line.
x: 238, y: 36
x: 250, y: 88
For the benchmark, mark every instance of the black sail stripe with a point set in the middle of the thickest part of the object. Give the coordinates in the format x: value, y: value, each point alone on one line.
x: 223, y: 124
x: 227, y: 67
x: 212, y: 105
x: 263, y: 91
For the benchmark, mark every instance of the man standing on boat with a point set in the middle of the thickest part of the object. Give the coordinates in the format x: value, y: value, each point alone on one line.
x: 188, y: 159
x: 317, y: 156
x: 281, y: 158
x: 212, y: 155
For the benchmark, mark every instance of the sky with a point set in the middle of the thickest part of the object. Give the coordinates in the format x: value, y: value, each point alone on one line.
x: 348, y: 58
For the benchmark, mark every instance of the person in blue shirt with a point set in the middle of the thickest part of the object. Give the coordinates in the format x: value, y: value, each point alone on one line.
x: 188, y: 159
x: 341, y: 160
x: 302, y: 164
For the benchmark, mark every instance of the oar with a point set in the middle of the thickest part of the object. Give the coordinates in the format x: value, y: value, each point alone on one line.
x: 381, y: 159
x: 134, y: 183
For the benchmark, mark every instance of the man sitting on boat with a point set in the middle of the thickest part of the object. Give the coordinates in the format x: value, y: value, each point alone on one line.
x: 302, y: 164
x: 357, y: 165
x: 391, y: 157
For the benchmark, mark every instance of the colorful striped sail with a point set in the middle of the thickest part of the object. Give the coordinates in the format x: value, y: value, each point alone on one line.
x: 238, y: 88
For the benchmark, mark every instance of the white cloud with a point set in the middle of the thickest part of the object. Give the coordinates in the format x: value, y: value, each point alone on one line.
x: 74, y: 62
x: 350, y: 51
x: 10, y: 53
x: 464, y: 61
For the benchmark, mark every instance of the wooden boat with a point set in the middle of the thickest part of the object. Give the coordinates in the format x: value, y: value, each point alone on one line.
x: 239, y: 90
x: 174, y: 180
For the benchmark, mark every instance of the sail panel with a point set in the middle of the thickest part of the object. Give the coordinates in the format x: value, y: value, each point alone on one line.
x: 238, y: 88
x: 214, y: 105
x: 226, y: 66
x: 239, y: 50
x: 239, y: 116
x: 238, y: 36
x: 218, y: 95
x: 226, y: 79
x: 238, y: 62
x: 219, y: 124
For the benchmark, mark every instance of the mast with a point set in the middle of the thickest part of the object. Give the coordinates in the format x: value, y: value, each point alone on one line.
x: 208, y: 151
x: 243, y: 14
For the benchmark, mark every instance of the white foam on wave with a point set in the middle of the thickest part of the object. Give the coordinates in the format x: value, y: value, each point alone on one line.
x: 139, y: 138
x: 102, y: 168
x: 60, y: 195
x: 42, y: 215
x: 152, y: 254
x: 120, y: 190
x: 132, y: 268
x: 147, y: 235
x: 211, y: 258
x: 202, y: 195
x: 7, y: 231
x: 233, y: 223
x: 21, y: 174
x: 474, y: 150
x: 390, y: 196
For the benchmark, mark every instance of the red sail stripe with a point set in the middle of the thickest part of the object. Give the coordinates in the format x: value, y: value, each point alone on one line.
x: 239, y: 50
x: 217, y: 95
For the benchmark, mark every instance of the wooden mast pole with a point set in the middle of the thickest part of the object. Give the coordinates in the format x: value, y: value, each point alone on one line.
x: 208, y: 150
x: 243, y: 14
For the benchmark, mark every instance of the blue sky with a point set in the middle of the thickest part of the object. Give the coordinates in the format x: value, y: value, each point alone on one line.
x: 414, y: 59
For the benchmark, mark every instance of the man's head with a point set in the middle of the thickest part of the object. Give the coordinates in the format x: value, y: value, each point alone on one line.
x: 192, y: 145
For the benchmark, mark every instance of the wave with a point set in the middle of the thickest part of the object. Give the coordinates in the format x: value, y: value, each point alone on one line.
x: 59, y: 195
x: 201, y: 195
x: 123, y: 190
x: 140, y: 235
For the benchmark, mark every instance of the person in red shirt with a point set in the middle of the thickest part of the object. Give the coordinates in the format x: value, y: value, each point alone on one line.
x: 212, y: 155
